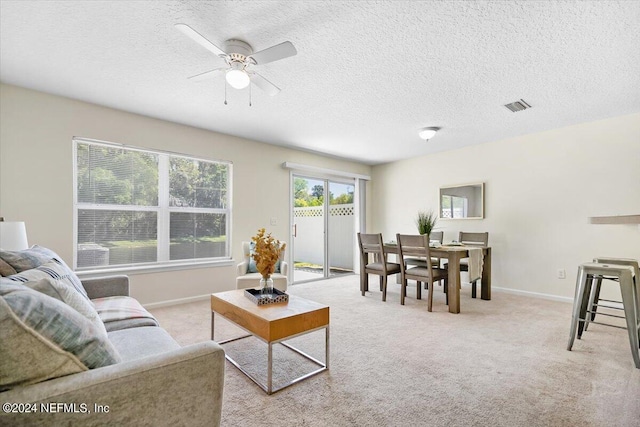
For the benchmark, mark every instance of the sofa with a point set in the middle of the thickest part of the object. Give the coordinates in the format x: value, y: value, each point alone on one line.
x: 85, y: 353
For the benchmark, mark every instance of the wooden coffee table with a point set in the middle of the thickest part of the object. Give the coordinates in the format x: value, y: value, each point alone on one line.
x: 272, y: 324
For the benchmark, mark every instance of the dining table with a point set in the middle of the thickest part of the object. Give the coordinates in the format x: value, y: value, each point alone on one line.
x: 454, y: 253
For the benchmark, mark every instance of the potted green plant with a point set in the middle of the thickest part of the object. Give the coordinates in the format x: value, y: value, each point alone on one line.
x: 426, y: 222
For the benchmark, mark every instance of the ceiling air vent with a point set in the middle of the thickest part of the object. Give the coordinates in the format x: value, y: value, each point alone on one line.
x: 514, y: 107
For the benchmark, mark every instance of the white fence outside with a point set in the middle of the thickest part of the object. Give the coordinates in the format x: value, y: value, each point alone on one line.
x: 309, y: 241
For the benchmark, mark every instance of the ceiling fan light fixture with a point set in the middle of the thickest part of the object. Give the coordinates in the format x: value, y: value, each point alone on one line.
x: 428, y: 133
x: 237, y: 78
x: 240, y: 58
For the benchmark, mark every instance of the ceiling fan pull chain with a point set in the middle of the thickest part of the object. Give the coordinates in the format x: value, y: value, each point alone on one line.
x: 249, y: 94
x: 225, y: 92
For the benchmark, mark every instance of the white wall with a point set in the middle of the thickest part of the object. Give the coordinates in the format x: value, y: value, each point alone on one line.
x: 540, y: 189
x: 36, y: 178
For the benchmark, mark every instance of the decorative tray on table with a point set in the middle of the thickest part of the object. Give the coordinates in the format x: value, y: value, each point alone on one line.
x: 259, y: 298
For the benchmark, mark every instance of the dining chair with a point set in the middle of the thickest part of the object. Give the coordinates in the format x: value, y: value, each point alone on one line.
x: 436, y: 237
x: 374, y: 261
x: 417, y: 247
x: 471, y: 239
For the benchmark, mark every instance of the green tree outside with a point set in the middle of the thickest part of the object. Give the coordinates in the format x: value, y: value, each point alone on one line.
x: 305, y: 198
x: 123, y: 177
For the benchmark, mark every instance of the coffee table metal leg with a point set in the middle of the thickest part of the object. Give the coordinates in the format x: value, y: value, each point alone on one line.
x: 326, y: 348
x: 270, y: 369
x: 268, y: 388
x: 212, y: 325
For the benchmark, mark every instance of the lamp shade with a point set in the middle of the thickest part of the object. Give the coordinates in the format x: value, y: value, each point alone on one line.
x: 13, y: 236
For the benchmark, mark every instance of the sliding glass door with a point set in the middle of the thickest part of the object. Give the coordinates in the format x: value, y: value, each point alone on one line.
x: 341, y: 228
x: 323, y: 228
x: 308, y: 229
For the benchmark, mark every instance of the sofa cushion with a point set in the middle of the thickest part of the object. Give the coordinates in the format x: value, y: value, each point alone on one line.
x: 252, y: 268
x: 43, y: 338
x: 30, y: 258
x: 141, y: 342
x: 52, y: 279
x: 6, y: 269
x: 121, y: 312
x: 117, y: 325
x: 36, y: 256
x: 30, y: 358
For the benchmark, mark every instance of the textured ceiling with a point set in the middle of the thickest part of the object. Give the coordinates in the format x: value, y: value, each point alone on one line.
x: 367, y: 75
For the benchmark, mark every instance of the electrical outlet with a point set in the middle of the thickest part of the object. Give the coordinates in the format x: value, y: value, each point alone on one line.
x: 562, y: 274
x: 274, y: 221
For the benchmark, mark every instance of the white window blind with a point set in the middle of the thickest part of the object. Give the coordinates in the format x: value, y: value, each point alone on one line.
x: 142, y: 207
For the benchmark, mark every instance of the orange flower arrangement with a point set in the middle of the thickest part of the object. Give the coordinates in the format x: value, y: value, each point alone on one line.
x: 266, y: 252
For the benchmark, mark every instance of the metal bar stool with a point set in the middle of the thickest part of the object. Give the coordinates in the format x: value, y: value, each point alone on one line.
x: 589, y: 272
x: 594, y: 299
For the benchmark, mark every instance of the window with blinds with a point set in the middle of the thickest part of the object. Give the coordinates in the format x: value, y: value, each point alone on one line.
x: 136, y: 207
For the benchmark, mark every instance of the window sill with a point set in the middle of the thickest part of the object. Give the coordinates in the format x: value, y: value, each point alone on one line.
x: 159, y: 268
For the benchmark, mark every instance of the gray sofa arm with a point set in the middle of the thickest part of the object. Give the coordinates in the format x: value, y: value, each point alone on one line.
x: 107, y: 286
x: 180, y: 387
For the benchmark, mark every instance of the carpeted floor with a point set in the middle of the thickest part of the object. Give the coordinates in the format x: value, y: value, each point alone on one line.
x: 498, y: 363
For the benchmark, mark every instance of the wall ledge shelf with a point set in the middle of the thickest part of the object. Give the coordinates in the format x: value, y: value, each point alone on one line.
x: 617, y: 219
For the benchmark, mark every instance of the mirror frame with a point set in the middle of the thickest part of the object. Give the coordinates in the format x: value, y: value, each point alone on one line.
x: 472, y: 184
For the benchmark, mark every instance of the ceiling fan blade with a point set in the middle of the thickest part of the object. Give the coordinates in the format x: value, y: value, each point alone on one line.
x: 207, y: 74
x: 198, y: 38
x: 274, y: 53
x: 264, y: 84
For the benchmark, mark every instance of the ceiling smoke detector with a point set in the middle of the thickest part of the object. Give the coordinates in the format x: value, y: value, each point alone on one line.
x: 514, y: 107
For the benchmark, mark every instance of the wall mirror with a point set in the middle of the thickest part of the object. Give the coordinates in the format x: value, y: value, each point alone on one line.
x: 464, y: 201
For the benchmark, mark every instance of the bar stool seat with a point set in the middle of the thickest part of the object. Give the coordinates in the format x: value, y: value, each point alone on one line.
x: 594, y: 298
x: 625, y: 276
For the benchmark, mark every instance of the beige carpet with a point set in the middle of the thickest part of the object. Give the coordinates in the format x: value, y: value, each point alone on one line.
x: 498, y: 363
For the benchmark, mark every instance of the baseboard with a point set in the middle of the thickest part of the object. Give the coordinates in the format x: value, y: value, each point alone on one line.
x: 532, y: 294
x: 493, y: 288
x: 177, y: 301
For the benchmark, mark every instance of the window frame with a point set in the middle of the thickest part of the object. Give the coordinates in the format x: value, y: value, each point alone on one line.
x: 163, y: 210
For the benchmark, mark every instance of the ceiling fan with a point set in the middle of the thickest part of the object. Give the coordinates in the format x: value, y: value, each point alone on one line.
x: 240, y: 60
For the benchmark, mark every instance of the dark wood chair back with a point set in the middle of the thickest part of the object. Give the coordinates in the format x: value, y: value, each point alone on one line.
x: 371, y: 244
x: 436, y: 236
x: 471, y: 239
